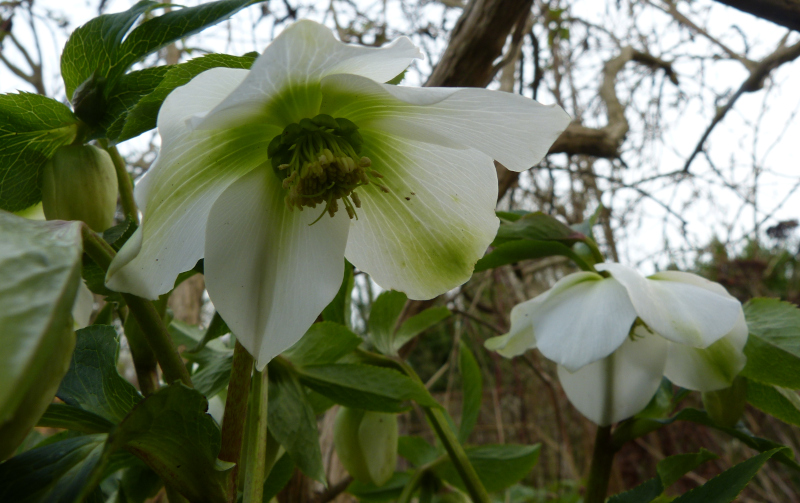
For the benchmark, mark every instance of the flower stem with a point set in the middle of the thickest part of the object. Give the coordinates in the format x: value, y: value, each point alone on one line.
x: 411, y: 486
x: 144, y: 360
x: 453, y: 447
x: 233, y: 420
x: 124, y: 181
x: 255, y: 457
x: 600, y: 472
x: 152, y: 326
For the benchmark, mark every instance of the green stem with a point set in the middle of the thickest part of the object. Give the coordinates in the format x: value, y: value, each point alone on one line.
x: 152, y: 326
x: 144, y: 360
x: 255, y: 457
x: 124, y: 181
x: 453, y: 447
x: 598, y: 257
x: 233, y: 420
x: 411, y: 486
x: 602, y: 461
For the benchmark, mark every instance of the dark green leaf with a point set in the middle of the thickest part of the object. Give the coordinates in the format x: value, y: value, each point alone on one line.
x: 189, y: 336
x: 59, y: 415
x: 727, y: 485
x: 39, y: 278
x: 325, y: 342
x: 338, y: 311
x: 172, y: 433
x: 139, y: 483
x: 292, y: 421
x: 32, y: 127
x: 127, y: 91
x: 94, y: 47
x: 417, y: 324
x: 365, y: 387
x: 142, y: 116
x: 417, y: 450
x: 782, y: 403
x: 472, y: 386
x: 61, y: 472
x: 279, y: 476
x: 217, y: 328
x: 383, y: 319
x: 93, y: 383
x: 773, y: 348
x: 117, y: 235
x: 540, y: 227
x: 157, y: 32
x: 498, y: 466
x: 213, y: 377
x: 369, y: 493
x: 510, y: 252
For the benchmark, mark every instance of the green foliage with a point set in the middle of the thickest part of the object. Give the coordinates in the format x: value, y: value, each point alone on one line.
x: 278, y: 477
x: 670, y: 470
x: 383, y: 316
x: 417, y: 450
x: 324, y: 342
x: 60, y: 415
x: 472, y: 384
x: 782, y: 403
x: 726, y: 486
x: 338, y: 311
x: 92, y: 383
x: 32, y: 127
x: 369, y: 493
x: 773, y: 348
x: 365, y: 387
x: 39, y: 278
x: 498, y: 466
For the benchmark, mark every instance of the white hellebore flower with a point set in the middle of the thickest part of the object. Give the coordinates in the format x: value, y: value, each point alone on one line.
x: 251, y: 160
x: 694, y: 335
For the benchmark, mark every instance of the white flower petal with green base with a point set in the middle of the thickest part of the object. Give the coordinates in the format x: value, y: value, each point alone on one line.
x: 192, y: 170
x: 683, y: 310
x: 581, y: 319
x: 267, y: 270
x: 519, y: 339
x: 284, y: 82
x: 514, y: 130
x: 712, y: 368
x: 424, y: 236
x: 621, y: 385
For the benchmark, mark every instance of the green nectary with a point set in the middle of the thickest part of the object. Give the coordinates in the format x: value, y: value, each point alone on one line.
x: 80, y: 183
x: 366, y: 443
x: 318, y: 160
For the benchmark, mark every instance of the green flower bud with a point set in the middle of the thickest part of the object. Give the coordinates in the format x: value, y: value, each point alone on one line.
x: 726, y: 406
x: 51, y: 365
x: 366, y: 443
x: 80, y: 183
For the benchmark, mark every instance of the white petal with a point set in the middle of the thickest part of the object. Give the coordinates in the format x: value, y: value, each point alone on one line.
x: 83, y: 306
x: 512, y: 129
x: 520, y: 338
x: 582, y: 319
x: 268, y: 272
x: 284, y: 80
x: 424, y: 236
x: 192, y: 169
x: 635, y: 369
x: 711, y: 368
x: 684, y: 308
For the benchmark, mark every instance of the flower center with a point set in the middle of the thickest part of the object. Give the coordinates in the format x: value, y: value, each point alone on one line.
x: 318, y: 161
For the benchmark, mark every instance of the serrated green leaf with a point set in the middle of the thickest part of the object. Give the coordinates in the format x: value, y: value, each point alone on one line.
x: 727, y: 485
x: 417, y: 324
x: 143, y: 115
x: 32, y: 127
x: 773, y: 348
x: 510, y: 252
x: 498, y: 466
x: 39, y: 278
x: 94, y: 47
x: 126, y: 92
x: 292, y: 421
x: 383, y: 319
x: 60, y: 472
x: 782, y: 403
x: 365, y: 387
x: 157, y: 32
x: 472, y: 387
x: 324, y: 342
x: 214, y: 376
x: 172, y: 433
x: 59, y: 415
x: 92, y: 382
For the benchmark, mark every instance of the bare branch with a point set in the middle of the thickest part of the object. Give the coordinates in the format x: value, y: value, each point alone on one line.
x: 783, y: 12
